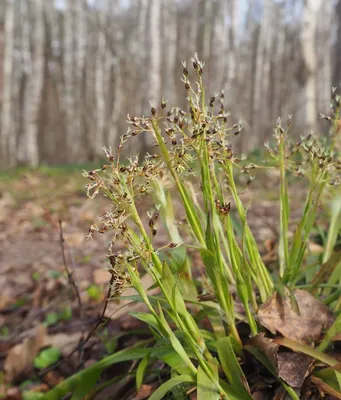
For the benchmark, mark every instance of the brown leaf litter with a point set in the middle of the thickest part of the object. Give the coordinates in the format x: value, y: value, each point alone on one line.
x: 307, y: 325
x: 293, y: 368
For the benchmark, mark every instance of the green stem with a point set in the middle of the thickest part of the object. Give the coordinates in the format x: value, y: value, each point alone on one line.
x: 284, y: 205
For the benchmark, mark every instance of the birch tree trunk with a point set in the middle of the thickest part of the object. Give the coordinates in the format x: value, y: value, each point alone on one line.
x: 154, y: 65
x: 207, y: 31
x: 193, y: 28
x: 261, y: 78
x: 324, y: 55
x: 142, y: 55
x: 337, y: 66
x: 279, y: 53
x: 100, y: 78
x: 169, y: 48
x: 154, y: 70
x: 80, y: 52
x: 220, y: 38
x: 35, y: 83
x: 231, y: 60
x: 307, y: 75
x: 68, y: 75
x: 6, y: 145
x: 55, y: 73
x: 115, y: 76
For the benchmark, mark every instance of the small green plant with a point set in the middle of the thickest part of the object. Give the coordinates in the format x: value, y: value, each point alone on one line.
x: 47, y: 357
x: 195, y: 168
x: 95, y: 292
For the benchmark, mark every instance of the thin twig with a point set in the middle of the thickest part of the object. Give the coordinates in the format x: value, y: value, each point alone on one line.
x: 88, y: 337
x: 72, y: 281
x: 70, y: 273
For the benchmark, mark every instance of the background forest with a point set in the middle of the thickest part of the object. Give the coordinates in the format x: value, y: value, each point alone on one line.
x: 71, y: 70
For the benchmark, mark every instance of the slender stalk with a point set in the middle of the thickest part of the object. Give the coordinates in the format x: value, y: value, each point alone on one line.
x: 284, y: 205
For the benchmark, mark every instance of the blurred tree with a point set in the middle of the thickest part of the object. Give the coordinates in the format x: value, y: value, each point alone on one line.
x: 71, y: 70
x: 7, y: 144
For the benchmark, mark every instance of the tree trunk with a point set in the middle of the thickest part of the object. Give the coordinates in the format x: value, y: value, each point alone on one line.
x: 154, y: 69
x: 169, y: 49
x: 307, y: 73
x: 6, y: 145
x: 35, y: 83
x: 100, y: 79
x: 72, y: 144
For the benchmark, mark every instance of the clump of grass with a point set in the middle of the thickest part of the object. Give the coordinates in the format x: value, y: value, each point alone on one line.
x: 195, y: 162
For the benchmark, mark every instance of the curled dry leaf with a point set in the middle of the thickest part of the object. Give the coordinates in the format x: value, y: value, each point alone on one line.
x: 312, y: 319
x: 145, y: 392
x: 20, y: 358
x: 65, y: 342
x: 266, y: 346
x: 293, y: 368
x: 315, y: 248
x: 101, y: 276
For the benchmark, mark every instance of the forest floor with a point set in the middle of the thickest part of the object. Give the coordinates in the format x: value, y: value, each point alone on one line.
x: 38, y: 301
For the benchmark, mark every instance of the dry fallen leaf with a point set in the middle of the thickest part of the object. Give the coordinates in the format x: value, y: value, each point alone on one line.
x: 277, y: 315
x: 101, y: 276
x: 64, y: 342
x: 292, y: 367
x: 5, y: 300
x: 145, y: 392
x: 20, y: 358
x: 315, y: 248
x: 52, y: 378
x: 266, y: 346
x: 75, y: 239
x: 6, y: 201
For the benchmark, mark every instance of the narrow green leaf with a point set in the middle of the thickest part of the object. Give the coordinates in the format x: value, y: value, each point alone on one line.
x: 70, y: 384
x: 147, y: 318
x: 334, y: 227
x: 141, y: 369
x: 177, y: 346
x: 174, y: 361
x: 85, y: 384
x: 231, y: 366
x: 169, y: 385
x: 206, y: 389
x: 330, y: 376
x: 210, y: 263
